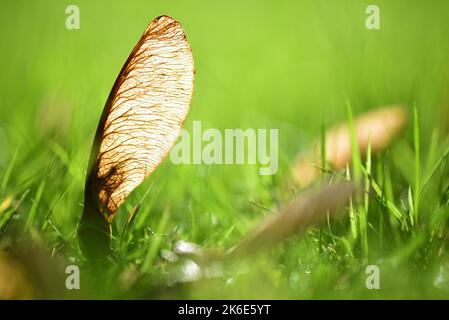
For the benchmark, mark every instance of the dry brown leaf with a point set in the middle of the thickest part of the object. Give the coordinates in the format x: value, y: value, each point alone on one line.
x: 381, y: 126
x: 140, y: 123
x: 296, y: 218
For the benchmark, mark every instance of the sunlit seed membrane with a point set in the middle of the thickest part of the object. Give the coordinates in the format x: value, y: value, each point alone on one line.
x: 147, y: 106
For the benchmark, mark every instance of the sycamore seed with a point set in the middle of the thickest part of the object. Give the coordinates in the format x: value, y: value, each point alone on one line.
x: 379, y: 127
x: 140, y: 123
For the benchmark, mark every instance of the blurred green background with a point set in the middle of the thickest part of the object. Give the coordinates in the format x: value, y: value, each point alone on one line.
x: 259, y: 64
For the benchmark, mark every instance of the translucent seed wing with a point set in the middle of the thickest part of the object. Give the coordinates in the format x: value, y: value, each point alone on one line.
x: 144, y: 112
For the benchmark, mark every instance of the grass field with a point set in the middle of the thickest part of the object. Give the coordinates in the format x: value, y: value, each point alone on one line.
x: 289, y: 65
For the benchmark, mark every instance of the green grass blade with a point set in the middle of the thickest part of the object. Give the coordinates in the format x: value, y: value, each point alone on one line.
x: 352, y: 213
x: 435, y: 168
x: 8, y: 172
x: 156, y: 243
x: 34, y: 207
x: 411, y: 207
x: 323, y: 147
x: 416, y: 135
x: 356, y: 162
